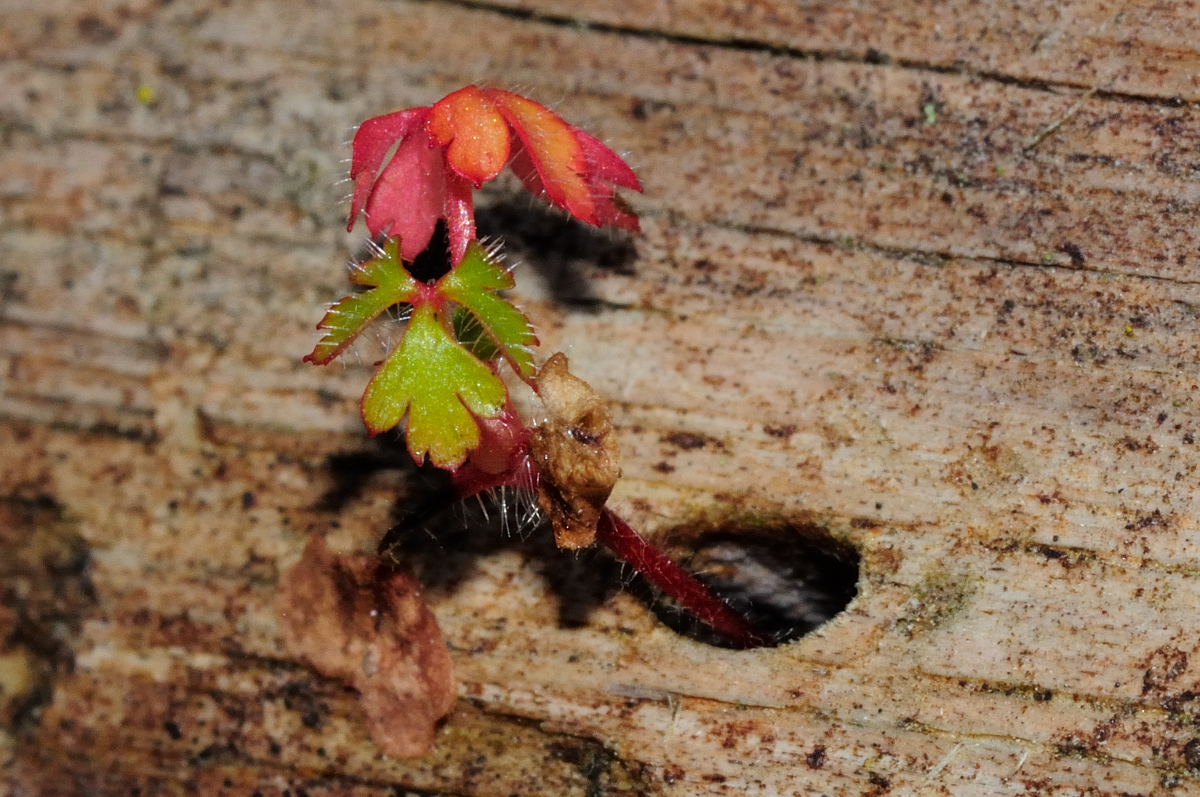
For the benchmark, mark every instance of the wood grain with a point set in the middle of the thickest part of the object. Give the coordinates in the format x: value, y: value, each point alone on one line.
x: 878, y: 302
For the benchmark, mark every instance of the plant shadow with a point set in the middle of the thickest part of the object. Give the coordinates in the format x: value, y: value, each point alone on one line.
x: 787, y: 579
x: 443, y: 540
x: 564, y: 252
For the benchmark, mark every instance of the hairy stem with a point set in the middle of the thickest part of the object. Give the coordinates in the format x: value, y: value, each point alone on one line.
x: 631, y: 548
x: 625, y: 543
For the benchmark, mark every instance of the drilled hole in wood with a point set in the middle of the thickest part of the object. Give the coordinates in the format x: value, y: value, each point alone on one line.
x: 787, y: 581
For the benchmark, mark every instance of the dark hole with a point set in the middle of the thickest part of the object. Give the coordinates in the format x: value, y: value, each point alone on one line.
x: 434, y: 260
x: 787, y: 581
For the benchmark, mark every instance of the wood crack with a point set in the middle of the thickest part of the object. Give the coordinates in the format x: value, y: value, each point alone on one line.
x: 755, y: 46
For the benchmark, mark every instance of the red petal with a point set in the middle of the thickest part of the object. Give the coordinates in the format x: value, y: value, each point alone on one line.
x: 610, y: 213
x: 476, y: 133
x: 606, y: 169
x: 554, y: 151
x: 460, y: 216
x: 605, y: 164
x: 371, y: 143
x: 410, y: 195
x: 522, y: 166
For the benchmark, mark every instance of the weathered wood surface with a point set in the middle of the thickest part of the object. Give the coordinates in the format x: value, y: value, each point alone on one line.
x: 883, y: 302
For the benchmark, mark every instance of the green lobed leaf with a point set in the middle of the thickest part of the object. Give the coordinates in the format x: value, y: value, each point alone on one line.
x: 390, y: 284
x: 470, y: 333
x: 473, y: 284
x: 440, y: 384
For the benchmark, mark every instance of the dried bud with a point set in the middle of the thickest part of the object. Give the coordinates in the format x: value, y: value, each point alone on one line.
x: 576, y: 453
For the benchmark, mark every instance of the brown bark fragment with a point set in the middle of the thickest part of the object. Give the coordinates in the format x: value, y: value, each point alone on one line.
x: 356, y: 618
x: 577, y: 454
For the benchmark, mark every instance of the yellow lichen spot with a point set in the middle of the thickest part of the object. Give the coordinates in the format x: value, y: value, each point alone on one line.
x: 145, y: 94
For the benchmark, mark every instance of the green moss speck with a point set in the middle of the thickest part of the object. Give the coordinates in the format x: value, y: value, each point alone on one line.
x: 940, y: 595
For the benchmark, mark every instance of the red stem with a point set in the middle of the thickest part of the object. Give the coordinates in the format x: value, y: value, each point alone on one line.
x: 631, y: 548
x: 627, y: 545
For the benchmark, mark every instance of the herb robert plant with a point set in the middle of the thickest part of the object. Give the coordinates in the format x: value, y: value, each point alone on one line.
x: 443, y: 374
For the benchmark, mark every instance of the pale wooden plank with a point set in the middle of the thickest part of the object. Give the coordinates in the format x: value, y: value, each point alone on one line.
x: 1145, y: 49
x: 970, y: 391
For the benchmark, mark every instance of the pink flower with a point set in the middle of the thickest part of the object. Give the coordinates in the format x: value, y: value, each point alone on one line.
x: 464, y: 140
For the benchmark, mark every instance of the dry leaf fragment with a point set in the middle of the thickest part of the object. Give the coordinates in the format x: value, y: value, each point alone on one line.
x: 576, y: 452
x: 357, y: 618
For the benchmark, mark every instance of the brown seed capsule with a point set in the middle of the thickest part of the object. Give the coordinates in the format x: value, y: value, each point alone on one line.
x: 576, y: 453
